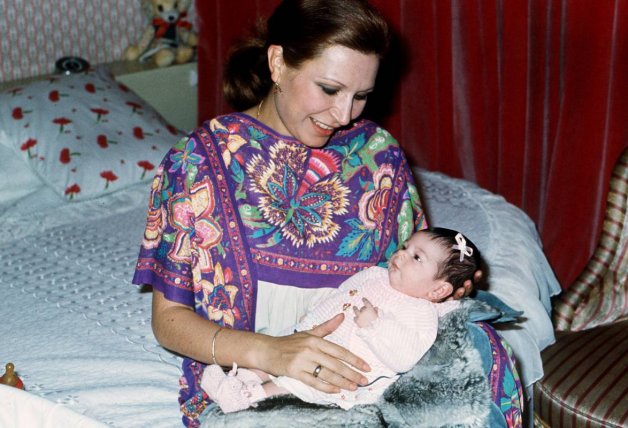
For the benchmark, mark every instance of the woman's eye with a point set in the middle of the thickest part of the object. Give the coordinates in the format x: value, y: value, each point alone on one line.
x: 417, y: 257
x: 329, y: 91
x: 360, y: 97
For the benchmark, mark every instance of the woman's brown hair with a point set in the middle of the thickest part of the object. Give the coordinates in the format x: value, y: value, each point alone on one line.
x: 303, y: 28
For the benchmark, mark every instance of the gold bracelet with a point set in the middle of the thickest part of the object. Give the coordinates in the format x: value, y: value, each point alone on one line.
x: 214, y: 344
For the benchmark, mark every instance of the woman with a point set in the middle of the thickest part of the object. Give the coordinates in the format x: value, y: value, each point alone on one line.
x: 261, y: 213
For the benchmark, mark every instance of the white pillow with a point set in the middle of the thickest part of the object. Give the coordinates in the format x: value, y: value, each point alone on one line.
x: 17, y: 179
x: 84, y: 134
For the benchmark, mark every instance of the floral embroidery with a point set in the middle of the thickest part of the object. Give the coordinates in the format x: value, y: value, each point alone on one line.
x: 146, y: 166
x: 197, y: 232
x: 182, y: 159
x: 72, y: 190
x: 99, y: 112
x: 219, y: 297
x: 299, y: 208
x: 61, y: 121
x: 364, y: 237
x: 234, y: 140
x: 51, y: 121
x: 139, y: 133
x: 65, y: 156
x: 109, y: 177
x: 27, y: 146
x: 373, y: 204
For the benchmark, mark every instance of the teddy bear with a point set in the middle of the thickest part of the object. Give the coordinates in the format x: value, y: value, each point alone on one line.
x: 169, y: 38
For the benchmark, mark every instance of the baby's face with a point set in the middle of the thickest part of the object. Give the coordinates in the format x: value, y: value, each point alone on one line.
x: 413, y: 268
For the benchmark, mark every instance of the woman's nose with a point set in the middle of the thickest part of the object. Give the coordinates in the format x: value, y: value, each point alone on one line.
x: 342, y: 110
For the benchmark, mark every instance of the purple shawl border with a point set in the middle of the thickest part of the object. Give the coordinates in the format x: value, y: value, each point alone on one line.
x: 241, y: 254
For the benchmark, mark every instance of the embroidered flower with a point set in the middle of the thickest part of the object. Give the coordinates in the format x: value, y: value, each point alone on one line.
x: 18, y: 113
x: 196, y: 231
x: 72, y: 190
x: 61, y: 121
x: 103, y: 141
x: 373, y: 204
x: 65, y: 156
x: 146, y: 166
x: 233, y: 140
x: 219, y: 297
x: 181, y: 159
x: 301, y: 195
x: 100, y: 113
x: 27, y: 146
x: 156, y: 214
x: 109, y: 177
x: 140, y: 134
x: 364, y: 237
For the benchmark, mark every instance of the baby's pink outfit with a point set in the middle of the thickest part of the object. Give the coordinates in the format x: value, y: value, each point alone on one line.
x: 238, y: 390
x: 405, y: 329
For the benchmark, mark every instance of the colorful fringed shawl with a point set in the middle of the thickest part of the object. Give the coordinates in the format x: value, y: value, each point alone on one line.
x: 236, y: 203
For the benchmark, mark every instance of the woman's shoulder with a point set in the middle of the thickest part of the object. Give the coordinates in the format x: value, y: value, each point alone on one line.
x: 366, y: 130
x: 242, y: 125
x: 226, y: 121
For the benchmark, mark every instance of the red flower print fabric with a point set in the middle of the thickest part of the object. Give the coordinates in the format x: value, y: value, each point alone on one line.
x: 84, y: 134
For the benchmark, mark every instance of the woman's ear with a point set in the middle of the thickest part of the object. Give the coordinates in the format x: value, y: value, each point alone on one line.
x: 275, y: 62
x: 441, y: 290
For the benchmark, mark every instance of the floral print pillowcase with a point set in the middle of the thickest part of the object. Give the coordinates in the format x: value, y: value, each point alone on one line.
x: 84, y: 134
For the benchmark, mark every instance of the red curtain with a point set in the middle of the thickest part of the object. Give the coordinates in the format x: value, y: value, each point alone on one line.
x: 527, y: 98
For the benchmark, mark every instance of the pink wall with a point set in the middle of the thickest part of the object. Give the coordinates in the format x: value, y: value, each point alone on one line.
x: 35, y: 33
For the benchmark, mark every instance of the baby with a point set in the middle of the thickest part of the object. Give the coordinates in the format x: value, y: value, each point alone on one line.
x: 394, y: 322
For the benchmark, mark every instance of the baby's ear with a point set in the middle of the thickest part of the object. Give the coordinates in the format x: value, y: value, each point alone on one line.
x: 441, y: 290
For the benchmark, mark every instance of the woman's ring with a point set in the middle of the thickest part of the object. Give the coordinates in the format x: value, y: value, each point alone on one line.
x: 317, y: 371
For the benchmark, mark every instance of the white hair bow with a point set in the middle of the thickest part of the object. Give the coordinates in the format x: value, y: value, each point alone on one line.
x: 462, y: 246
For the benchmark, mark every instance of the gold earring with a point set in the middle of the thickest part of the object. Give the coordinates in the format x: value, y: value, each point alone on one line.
x: 277, y: 88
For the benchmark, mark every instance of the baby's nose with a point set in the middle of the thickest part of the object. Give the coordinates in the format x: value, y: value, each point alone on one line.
x: 402, y: 256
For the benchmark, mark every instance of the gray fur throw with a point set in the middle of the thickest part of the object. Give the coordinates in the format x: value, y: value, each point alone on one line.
x: 447, y: 388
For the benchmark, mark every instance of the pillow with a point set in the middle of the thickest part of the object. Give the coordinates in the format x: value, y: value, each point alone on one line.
x: 17, y: 179
x: 84, y: 134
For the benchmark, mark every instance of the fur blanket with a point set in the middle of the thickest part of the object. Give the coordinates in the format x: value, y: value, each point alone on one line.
x: 447, y: 388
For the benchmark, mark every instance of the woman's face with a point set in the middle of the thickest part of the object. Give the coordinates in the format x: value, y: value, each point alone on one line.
x: 321, y: 95
x: 412, y: 269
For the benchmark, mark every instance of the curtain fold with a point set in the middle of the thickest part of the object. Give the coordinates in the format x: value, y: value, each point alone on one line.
x: 527, y: 98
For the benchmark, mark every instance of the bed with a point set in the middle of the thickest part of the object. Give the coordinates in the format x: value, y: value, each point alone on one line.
x: 76, y: 157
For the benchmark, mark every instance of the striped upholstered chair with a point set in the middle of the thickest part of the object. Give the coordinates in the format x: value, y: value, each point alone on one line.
x: 586, y: 370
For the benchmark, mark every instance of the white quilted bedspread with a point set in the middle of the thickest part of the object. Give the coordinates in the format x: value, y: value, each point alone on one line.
x: 79, y: 333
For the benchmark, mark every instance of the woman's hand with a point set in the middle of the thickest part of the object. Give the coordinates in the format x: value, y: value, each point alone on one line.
x: 298, y: 356
x: 467, y: 287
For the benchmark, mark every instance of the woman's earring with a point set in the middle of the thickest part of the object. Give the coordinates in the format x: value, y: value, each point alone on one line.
x: 277, y: 88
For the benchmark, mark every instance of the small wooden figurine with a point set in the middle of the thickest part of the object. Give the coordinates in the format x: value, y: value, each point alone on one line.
x: 10, y: 378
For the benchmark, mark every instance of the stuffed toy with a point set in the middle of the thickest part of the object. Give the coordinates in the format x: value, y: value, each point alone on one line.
x: 169, y: 38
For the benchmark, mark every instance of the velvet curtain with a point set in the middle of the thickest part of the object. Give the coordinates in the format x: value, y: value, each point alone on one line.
x: 527, y: 98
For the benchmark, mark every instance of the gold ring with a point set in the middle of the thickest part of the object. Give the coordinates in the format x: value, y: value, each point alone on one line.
x: 317, y: 371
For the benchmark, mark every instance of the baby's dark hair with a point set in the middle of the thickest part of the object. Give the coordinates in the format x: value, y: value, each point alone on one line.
x: 453, y: 270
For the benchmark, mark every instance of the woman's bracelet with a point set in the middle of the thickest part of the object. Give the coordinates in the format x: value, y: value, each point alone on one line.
x: 214, y: 344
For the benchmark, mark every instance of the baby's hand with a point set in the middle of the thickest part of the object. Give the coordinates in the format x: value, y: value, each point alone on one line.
x: 365, y: 315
